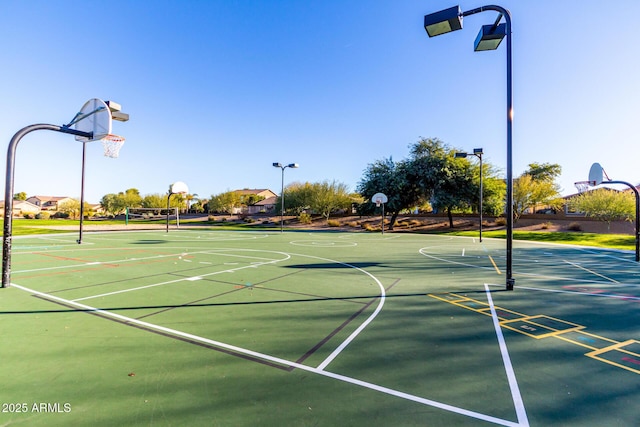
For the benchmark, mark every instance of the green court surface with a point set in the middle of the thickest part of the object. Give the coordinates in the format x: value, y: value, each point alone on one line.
x: 220, y: 328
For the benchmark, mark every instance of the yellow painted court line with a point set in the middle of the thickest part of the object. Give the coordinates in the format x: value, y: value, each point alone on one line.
x: 591, y: 271
x: 617, y: 346
x: 584, y: 344
x: 494, y: 264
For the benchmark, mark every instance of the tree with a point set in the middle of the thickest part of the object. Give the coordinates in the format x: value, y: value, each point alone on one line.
x: 156, y: 200
x: 225, y: 202
x: 395, y: 180
x: 20, y: 196
x: 539, y: 188
x: 527, y: 193
x: 544, y: 172
x: 606, y: 205
x: 297, y: 198
x: 329, y: 197
x: 323, y: 198
x: 109, y: 204
x: 71, y: 207
x: 448, y: 182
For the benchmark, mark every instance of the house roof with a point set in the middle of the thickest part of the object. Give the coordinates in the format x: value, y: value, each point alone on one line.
x: 253, y: 191
x: 267, y: 202
x: 49, y: 198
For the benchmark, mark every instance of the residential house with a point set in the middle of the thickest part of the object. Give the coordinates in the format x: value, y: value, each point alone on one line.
x: 48, y: 203
x: 266, y: 205
x: 22, y: 208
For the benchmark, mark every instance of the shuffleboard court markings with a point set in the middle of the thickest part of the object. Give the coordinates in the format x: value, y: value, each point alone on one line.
x: 624, y: 355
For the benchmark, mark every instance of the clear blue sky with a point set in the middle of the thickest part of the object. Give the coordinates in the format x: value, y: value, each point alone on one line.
x: 218, y: 90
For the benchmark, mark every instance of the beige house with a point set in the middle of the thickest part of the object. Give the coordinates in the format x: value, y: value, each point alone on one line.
x: 264, y: 206
x: 48, y: 203
x: 23, y: 207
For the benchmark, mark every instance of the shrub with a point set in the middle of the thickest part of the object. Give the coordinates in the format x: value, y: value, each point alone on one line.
x: 501, y: 221
x: 368, y: 227
x: 333, y: 223
x: 304, y: 218
x: 43, y: 215
x: 27, y: 215
x: 353, y: 224
x: 575, y: 226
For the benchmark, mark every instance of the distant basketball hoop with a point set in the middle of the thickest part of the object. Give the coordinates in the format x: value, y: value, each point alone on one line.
x: 380, y: 199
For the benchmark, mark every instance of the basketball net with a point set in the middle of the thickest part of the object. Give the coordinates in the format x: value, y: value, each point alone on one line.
x: 378, y: 202
x: 112, y: 145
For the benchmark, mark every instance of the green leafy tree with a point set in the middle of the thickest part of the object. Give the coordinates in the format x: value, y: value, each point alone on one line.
x: 396, y: 181
x: 329, y: 197
x: 297, y: 198
x: 527, y: 193
x: 606, y: 205
x: 109, y: 204
x: 156, y: 200
x: 225, y: 202
x: 540, y: 189
x: 71, y: 207
x: 20, y: 196
x: 544, y: 172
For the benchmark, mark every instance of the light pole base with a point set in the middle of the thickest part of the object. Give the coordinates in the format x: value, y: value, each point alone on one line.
x: 510, y: 284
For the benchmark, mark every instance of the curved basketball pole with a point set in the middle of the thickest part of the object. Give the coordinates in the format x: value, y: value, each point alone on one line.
x: 635, y: 190
x: 8, y: 190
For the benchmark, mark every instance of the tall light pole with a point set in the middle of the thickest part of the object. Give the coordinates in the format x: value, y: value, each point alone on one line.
x: 478, y: 153
x: 283, y: 167
x: 488, y: 38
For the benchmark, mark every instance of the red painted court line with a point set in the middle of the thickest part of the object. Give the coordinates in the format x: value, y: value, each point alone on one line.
x: 61, y: 273
x: 63, y: 258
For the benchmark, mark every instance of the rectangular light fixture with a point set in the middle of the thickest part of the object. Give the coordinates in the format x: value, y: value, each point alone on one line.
x: 489, y: 37
x: 442, y: 22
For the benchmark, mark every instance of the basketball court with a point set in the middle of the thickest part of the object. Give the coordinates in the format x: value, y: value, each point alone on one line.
x: 203, y: 327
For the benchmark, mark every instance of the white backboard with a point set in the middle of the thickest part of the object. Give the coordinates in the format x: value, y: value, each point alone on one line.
x: 179, y: 187
x: 379, y: 198
x: 95, y: 116
x: 596, y: 174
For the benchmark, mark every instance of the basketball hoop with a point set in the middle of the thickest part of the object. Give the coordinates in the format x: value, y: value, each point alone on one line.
x: 378, y: 202
x: 583, y: 186
x: 112, y: 145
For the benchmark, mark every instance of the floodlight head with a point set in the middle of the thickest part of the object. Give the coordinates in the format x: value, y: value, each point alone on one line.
x: 119, y: 116
x: 113, y: 106
x: 116, y: 113
x: 442, y: 22
x: 277, y: 165
x: 460, y: 155
x: 293, y: 165
x: 477, y: 151
x: 489, y: 37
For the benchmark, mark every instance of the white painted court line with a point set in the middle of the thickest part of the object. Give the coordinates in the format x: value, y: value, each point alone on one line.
x: 586, y: 294
x: 355, y: 333
x: 511, y: 376
x: 354, y: 381
x: 177, y: 280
